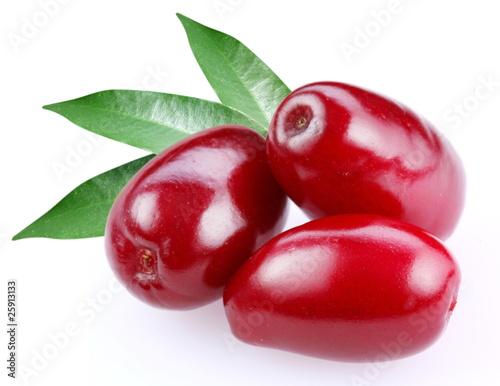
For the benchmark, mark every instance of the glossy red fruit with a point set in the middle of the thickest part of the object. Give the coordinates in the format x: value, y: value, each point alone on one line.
x: 348, y: 288
x: 339, y: 149
x: 192, y: 215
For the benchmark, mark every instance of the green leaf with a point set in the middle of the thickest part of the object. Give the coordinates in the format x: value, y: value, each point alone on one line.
x: 239, y: 78
x: 148, y: 120
x: 84, y: 211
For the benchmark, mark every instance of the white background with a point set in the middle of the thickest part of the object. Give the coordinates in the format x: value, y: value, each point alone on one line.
x: 432, y: 56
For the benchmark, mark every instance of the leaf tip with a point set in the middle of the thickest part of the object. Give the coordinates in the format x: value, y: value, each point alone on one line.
x: 18, y: 236
x: 185, y: 21
x: 49, y: 107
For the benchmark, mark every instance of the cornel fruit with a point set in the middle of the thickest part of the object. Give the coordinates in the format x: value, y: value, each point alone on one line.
x: 339, y: 149
x: 348, y: 288
x: 192, y: 215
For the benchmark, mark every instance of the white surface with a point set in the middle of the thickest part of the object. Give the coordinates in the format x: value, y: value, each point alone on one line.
x: 429, y: 55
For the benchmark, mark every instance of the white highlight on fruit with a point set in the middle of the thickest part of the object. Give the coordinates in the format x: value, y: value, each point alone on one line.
x: 187, y: 166
x: 427, y: 274
x: 143, y: 209
x: 362, y: 130
x: 219, y: 222
x: 368, y: 132
x: 222, y: 219
x: 363, y: 133
x: 300, y: 270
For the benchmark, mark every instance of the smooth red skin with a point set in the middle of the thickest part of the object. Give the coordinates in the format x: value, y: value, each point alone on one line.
x: 360, y: 152
x: 198, y: 209
x: 347, y: 288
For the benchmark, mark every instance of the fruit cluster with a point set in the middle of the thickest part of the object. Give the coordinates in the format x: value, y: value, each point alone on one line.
x: 382, y: 188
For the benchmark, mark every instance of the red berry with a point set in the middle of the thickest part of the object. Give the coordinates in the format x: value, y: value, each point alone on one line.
x: 348, y: 288
x: 339, y: 149
x: 190, y: 217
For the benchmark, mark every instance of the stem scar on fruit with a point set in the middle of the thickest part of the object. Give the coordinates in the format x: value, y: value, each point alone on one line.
x: 301, y: 122
x: 146, y: 261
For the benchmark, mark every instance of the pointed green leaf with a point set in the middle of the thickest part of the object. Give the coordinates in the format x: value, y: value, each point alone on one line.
x: 148, y: 120
x: 239, y: 78
x: 83, y: 212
